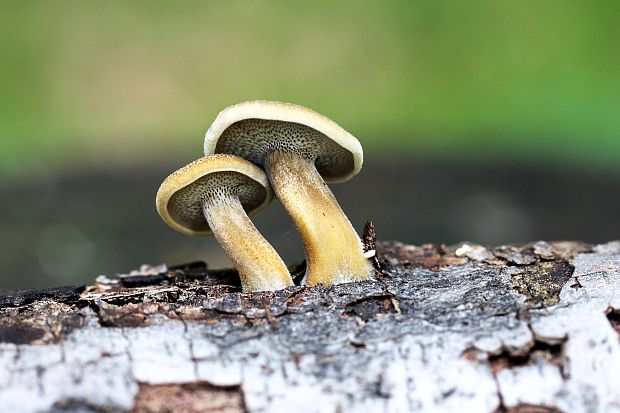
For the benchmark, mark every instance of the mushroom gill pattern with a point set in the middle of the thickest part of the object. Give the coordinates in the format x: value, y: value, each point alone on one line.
x: 186, y: 205
x: 252, y: 139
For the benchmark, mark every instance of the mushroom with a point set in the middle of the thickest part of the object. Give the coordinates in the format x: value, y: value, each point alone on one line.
x: 210, y: 196
x: 300, y: 150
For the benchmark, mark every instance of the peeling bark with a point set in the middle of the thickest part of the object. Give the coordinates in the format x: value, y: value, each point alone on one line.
x: 529, y: 328
x: 192, y: 397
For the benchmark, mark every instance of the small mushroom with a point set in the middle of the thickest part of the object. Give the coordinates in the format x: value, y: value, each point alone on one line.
x: 210, y: 196
x: 300, y: 150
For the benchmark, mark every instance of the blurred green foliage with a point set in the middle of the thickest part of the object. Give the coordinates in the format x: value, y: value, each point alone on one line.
x: 106, y: 83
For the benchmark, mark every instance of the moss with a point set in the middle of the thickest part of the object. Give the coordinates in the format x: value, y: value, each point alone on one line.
x: 542, y: 283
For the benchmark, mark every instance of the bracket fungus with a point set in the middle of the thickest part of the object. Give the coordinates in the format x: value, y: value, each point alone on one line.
x: 210, y: 196
x: 300, y: 149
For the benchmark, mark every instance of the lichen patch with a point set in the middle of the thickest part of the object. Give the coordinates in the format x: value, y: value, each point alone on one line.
x: 542, y: 283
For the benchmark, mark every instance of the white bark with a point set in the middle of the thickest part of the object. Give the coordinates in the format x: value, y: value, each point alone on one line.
x: 457, y: 339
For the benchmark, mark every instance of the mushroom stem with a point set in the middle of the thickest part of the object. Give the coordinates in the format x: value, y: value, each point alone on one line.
x: 334, y: 252
x: 259, y: 265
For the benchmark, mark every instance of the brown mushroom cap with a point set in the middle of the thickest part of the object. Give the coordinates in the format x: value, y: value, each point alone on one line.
x: 180, y: 197
x: 252, y: 129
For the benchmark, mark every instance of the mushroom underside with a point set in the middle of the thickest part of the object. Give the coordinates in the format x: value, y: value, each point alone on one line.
x: 210, y: 196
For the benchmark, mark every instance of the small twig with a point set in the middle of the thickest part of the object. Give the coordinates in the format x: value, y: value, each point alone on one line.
x: 369, y: 237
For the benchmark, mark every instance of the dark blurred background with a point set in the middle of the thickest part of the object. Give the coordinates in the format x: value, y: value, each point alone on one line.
x: 488, y: 121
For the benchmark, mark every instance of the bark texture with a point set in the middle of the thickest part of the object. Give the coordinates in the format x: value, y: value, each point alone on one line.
x: 534, y: 328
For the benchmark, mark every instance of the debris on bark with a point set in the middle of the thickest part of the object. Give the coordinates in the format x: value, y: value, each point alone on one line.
x: 531, y: 328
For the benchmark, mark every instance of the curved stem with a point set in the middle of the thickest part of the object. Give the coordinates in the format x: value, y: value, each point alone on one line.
x: 259, y: 265
x: 334, y: 251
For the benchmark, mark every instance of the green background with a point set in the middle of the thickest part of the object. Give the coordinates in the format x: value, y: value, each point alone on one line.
x: 108, y: 83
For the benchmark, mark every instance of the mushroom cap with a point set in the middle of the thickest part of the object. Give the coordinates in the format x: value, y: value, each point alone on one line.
x: 180, y: 197
x: 251, y: 129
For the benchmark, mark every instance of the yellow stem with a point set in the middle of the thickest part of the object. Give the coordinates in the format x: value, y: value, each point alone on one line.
x: 259, y: 265
x: 334, y: 251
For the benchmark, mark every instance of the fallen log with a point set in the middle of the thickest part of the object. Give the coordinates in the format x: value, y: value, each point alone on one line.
x: 533, y: 328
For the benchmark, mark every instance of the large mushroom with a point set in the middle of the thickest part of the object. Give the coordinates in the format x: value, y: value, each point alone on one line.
x: 210, y: 196
x: 300, y: 150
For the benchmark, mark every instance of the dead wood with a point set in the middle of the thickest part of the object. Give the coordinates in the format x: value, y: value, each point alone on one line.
x: 531, y: 328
